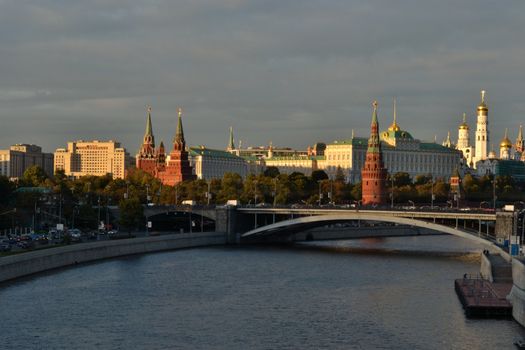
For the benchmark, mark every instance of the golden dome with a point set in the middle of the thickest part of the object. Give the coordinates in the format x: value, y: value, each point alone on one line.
x: 394, y: 127
x: 505, y: 142
x: 482, y: 106
x: 463, y: 126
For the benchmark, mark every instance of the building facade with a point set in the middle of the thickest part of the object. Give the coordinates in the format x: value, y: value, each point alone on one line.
x: 213, y: 164
x: 15, y: 160
x: 98, y: 158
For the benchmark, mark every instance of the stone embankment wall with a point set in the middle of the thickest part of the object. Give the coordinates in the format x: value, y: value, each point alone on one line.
x: 517, y: 294
x: 486, y: 268
x: 29, y: 263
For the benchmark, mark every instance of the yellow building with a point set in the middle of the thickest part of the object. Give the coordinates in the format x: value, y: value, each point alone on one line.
x: 98, y: 158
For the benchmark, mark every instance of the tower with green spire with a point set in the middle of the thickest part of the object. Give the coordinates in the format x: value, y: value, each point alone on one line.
x: 373, y: 173
x: 146, y: 158
x: 178, y: 167
x: 231, y: 144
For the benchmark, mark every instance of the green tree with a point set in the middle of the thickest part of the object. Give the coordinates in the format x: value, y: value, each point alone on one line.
x: 34, y: 176
x: 272, y: 172
x: 131, y: 213
x: 318, y: 175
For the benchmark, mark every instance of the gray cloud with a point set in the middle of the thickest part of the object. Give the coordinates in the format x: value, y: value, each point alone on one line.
x: 291, y: 72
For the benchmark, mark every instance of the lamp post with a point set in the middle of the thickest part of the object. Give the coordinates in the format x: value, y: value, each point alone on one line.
x: 320, y: 194
x: 255, y: 193
x: 147, y: 194
x: 331, y: 193
x: 392, y: 192
x: 208, y: 194
x: 108, y: 201
x: 432, y: 193
x: 126, y: 195
x: 274, y: 191
x: 494, y: 193
x: 98, y: 218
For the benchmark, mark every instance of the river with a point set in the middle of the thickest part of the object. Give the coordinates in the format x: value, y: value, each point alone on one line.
x: 391, y: 293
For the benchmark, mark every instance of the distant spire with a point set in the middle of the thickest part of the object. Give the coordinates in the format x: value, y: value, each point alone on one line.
x: 435, y: 138
x: 464, y: 117
x: 483, y: 96
x: 374, y: 113
x: 352, y: 133
x: 231, y: 144
x: 394, y: 110
x: 149, y: 128
x: 179, y: 135
x: 520, y: 133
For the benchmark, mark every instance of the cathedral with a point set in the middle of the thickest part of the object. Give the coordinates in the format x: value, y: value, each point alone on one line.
x: 171, y: 169
x: 480, y: 153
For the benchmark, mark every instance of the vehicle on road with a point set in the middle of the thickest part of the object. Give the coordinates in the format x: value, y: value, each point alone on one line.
x: 5, y: 247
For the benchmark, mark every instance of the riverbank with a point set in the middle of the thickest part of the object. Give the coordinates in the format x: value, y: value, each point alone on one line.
x: 29, y: 263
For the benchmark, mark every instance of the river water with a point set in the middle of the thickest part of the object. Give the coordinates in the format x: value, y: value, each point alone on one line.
x: 392, y: 293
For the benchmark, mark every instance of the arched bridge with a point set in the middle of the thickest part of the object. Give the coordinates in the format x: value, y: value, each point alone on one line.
x: 284, y: 222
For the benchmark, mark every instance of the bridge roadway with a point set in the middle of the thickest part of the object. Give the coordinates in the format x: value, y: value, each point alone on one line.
x: 413, y: 214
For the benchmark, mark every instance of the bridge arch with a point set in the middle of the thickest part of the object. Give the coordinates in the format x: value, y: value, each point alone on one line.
x: 279, y: 228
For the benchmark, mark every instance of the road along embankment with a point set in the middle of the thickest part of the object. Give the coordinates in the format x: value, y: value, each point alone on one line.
x: 29, y: 263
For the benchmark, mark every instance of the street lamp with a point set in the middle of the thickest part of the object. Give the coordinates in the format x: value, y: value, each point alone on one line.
x: 432, y: 197
x: 147, y: 194
x: 255, y: 193
x: 392, y: 192
x: 208, y: 194
x: 494, y: 193
x: 274, y: 191
x: 320, y: 194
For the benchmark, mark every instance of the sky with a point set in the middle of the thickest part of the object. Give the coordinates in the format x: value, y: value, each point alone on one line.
x: 288, y: 72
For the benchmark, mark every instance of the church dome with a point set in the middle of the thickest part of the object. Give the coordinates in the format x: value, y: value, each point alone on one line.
x: 505, y: 142
x: 394, y: 127
x: 463, y: 126
x: 482, y: 106
x: 492, y: 155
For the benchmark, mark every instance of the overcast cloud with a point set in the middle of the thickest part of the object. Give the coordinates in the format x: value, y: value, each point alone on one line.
x: 291, y: 72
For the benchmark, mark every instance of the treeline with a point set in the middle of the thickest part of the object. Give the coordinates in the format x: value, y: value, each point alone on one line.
x: 80, y: 200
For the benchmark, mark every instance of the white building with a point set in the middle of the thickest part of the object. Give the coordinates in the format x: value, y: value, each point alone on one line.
x: 213, y: 164
x: 401, y: 153
x: 15, y: 160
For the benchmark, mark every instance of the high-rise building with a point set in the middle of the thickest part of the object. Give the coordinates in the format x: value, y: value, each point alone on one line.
x: 482, y: 133
x: 97, y: 158
x: 15, y: 160
x: 373, y: 174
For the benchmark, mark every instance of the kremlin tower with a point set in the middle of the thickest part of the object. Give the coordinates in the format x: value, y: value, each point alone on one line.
x: 153, y: 161
x: 178, y: 167
x: 146, y: 159
x: 373, y: 174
